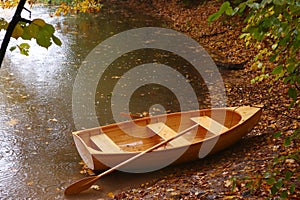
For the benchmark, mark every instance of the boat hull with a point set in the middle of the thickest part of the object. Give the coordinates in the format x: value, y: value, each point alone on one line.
x: 157, y: 159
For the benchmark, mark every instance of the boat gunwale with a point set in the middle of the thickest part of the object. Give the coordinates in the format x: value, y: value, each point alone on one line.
x: 233, y: 109
x: 157, y: 116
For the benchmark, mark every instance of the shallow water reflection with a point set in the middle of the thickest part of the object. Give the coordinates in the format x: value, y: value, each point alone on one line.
x: 38, y: 158
x: 37, y: 154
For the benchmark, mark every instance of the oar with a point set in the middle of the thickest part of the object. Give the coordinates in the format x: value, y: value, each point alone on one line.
x: 87, y: 182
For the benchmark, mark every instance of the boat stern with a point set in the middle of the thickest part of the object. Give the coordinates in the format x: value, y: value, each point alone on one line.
x: 84, y: 151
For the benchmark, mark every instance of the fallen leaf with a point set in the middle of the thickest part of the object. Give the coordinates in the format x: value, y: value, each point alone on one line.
x: 30, y: 183
x: 227, y: 183
x: 53, y: 120
x: 12, y: 122
x: 96, y: 187
x: 230, y: 197
x: 111, y: 195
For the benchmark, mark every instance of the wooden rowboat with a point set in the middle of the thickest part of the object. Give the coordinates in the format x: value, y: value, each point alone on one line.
x: 206, y: 132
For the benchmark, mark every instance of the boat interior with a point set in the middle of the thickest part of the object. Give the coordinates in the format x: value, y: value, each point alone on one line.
x: 141, y: 134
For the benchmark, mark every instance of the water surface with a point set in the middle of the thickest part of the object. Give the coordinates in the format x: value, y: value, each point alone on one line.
x: 38, y: 158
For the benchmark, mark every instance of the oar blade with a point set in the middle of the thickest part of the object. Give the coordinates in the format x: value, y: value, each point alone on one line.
x: 81, y: 185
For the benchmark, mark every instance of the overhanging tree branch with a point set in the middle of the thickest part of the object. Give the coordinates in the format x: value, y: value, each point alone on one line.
x: 16, y: 18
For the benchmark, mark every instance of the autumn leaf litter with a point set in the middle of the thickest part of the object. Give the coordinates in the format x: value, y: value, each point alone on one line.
x: 212, y: 178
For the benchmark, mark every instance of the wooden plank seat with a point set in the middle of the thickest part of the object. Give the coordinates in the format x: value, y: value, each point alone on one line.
x: 166, y: 133
x: 210, y: 124
x: 105, y: 143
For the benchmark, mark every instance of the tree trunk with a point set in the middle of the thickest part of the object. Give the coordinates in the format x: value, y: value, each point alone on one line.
x: 16, y: 18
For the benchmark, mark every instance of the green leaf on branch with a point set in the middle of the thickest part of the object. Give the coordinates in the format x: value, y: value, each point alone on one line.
x: 284, y: 194
x: 12, y: 48
x: 274, y: 190
x: 3, y: 24
x: 39, y: 22
x: 43, y: 38
x: 30, y: 31
x: 274, y: 23
x: 24, y: 48
x: 292, y: 188
x: 225, y: 8
x: 241, y: 8
x: 288, y: 175
x: 253, y: 5
x: 291, y: 67
x: 295, y: 9
x: 45, y: 35
x: 277, y: 135
x: 279, y: 2
x: 277, y: 70
x: 292, y: 92
x: 271, y: 181
x: 18, y: 31
x: 38, y: 29
x: 49, y: 28
x: 279, y: 183
x: 56, y: 40
x: 287, y: 141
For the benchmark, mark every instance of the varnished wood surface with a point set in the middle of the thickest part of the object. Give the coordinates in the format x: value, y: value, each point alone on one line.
x: 125, y: 139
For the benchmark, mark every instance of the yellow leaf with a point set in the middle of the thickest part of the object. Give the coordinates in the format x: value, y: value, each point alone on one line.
x: 53, y: 120
x: 111, y: 195
x: 18, y: 31
x: 13, y: 122
x: 39, y: 22
x: 30, y: 183
x: 90, y: 172
x: 227, y: 183
x: 230, y: 197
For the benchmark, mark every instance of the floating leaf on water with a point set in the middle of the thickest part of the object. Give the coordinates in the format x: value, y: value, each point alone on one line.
x: 30, y: 183
x: 13, y: 122
x: 53, y: 120
x: 24, y: 96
